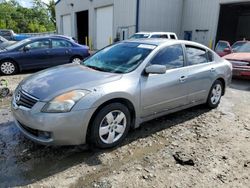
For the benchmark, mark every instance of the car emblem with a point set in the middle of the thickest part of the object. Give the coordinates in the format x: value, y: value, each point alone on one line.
x: 18, y: 96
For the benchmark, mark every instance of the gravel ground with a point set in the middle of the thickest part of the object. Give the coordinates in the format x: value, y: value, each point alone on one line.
x: 192, y: 148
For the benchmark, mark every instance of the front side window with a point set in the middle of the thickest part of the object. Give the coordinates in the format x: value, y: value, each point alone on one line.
x: 171, y: 56
x: 196, y: 55
x: 59, y: 43
x: 42, y: 44
x: 119, y: 58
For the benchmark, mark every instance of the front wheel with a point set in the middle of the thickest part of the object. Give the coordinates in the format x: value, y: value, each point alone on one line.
x: 215, y: 94
x: 110, y: 126
x: 8, y: 68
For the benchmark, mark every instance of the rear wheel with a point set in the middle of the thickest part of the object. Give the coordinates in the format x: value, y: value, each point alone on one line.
x: 215, y: 94
x: 110, y: 126
x: 76, y: 60
x: 8, y: 67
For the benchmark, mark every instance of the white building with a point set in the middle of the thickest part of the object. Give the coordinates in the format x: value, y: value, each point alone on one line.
x: 204, y: 21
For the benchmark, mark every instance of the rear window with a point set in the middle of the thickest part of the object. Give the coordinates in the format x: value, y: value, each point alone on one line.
x: 139, y: 36
x: 221, y: 46
x: 159, y: 36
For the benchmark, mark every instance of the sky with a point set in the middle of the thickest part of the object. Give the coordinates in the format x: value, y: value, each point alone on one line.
x: 28, y: 3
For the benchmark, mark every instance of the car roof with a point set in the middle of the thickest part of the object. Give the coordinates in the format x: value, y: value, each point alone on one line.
x: 159, y: 42
x: 155, y: 33
x: 51, y: 37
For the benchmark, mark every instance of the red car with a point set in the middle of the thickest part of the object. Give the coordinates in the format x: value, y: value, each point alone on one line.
x: 224, y: 48
x: 241, y: 61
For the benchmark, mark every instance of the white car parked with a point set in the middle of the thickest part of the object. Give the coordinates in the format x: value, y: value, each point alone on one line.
x: 163, y: 35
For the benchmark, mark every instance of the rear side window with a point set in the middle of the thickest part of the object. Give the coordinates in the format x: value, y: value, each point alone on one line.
x: 196, y: 55
x: 171, y: 56
x: 58, y: 43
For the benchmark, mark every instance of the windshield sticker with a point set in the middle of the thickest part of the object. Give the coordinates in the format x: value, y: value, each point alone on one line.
x: 147, y: 46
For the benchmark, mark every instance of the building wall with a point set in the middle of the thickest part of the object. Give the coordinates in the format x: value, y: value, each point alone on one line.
x: 124, y: 15
x: 161, y: 15
x: 202, y: 15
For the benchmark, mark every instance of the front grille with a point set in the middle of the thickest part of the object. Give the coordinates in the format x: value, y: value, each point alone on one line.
x: 25, y: 100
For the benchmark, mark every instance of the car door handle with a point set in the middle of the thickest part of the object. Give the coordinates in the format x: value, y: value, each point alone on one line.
x: 212, y: 70
x: 67, y: 51
x: 183, y: 79
x: 47, y: 51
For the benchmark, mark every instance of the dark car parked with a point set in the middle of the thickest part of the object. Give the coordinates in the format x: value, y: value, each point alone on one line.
x: 40, y: 52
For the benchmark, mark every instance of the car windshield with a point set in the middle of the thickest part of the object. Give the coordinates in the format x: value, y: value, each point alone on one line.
x: 18, y: 44
x: 245, y: 48
x: 119, y: 58
x: 237, y: 45
x: 2, y: 39
x: 139, y: 36
x: 221, y: 46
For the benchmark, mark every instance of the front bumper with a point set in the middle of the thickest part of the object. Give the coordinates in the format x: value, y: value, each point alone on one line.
x: 52, y: 128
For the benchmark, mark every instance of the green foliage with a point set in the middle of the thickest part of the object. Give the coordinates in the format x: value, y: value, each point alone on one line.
x: 39, y: 18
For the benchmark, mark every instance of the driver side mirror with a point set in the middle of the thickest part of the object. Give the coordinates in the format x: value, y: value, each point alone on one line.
x: 26, y: 48
x: 156, y: 69
x: 227, y: 50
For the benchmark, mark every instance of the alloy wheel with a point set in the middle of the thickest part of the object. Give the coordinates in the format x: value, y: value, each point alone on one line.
x: 8, y: 68
x: 76, y: 60
x: 216, y: 94
x: 112, y: 127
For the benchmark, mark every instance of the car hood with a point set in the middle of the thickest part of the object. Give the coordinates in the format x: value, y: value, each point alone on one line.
x: 238, y: 57
x: 50, y: 83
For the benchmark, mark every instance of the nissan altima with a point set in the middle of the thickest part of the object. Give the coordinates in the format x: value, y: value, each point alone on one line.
x: 115, y: 90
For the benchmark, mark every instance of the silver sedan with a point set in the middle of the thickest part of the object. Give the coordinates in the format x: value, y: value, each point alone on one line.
x: 118, y: 88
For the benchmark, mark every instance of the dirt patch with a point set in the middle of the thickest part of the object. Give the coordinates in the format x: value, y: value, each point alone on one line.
x: 155, y: 155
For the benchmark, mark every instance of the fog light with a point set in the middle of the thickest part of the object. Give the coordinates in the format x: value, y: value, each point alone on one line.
x: 44, y: 134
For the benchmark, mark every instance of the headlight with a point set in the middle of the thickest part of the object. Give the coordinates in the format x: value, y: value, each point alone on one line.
x: 65, y: 102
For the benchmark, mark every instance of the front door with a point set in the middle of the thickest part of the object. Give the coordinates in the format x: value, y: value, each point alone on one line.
x: 38, y: 55
x: 167, y: 91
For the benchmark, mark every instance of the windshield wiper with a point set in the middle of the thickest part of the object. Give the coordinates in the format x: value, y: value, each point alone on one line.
x: 97, y: 68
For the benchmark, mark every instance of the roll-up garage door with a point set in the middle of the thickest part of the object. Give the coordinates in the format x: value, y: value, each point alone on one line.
x: 66, y: 23
x: 104, y: 26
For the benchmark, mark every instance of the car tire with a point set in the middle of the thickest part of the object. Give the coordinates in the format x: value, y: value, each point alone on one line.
x: 76, y: 60
x: 8, y: 67
x: 110, y: 126
x: 215, y: 94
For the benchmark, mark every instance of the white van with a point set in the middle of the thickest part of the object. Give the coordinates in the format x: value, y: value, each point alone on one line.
x: 163, y: 35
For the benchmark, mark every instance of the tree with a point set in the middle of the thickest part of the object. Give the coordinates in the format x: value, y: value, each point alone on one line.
x: 39, y: 18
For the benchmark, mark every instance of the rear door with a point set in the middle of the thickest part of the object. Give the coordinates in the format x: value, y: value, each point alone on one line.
x: 61, y: 51
x: 163, y: 92
x: 38, y: 55
x: 201, y: 72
